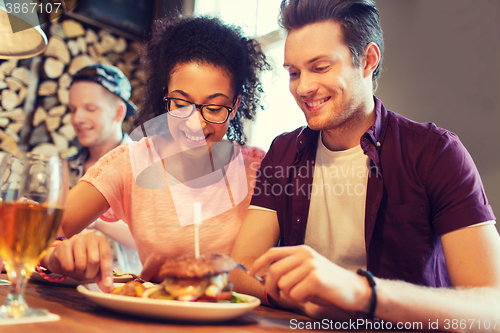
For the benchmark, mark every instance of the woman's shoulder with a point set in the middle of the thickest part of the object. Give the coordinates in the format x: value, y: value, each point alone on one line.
x: 252, y: 152
x: 110, y: 160
x: 114, y: 155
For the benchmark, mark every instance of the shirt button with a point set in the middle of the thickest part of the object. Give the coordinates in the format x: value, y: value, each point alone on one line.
x: 378, y: 144
x: 298, y: 219
x: 300, y: 141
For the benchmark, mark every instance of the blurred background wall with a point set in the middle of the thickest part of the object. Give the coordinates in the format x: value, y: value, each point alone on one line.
x: 442, y: 64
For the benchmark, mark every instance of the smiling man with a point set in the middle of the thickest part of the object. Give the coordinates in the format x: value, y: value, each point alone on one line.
x: 393, y: 214
x: 99, y: 103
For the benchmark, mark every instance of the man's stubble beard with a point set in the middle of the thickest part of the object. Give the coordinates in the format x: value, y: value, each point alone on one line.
x: 342, y: 122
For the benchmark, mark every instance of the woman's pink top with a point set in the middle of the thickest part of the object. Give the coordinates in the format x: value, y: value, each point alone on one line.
x: 159, y: 210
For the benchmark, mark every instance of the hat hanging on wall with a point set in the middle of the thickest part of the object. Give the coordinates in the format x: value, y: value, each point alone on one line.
x: 20, y: 34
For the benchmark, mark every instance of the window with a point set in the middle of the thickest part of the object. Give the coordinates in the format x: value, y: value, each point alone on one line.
x: 258, y: 18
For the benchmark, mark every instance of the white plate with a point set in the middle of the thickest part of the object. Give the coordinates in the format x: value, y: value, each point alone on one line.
x: 165, y: 309
x: 70, y: 282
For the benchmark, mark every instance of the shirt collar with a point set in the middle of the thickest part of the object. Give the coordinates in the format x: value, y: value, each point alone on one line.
x: 306, y: 138
x: 375, y: 132
x: 79, y: 159
x: 126, y: 139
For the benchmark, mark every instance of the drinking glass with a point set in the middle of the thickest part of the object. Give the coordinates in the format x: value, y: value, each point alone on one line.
x: 33, y: 196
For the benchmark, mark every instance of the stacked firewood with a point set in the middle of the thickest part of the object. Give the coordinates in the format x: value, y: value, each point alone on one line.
x: 71, y: 47
x: 14, y: 81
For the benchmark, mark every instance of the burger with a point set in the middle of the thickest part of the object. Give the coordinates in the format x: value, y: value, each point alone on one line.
x: 195, y: 279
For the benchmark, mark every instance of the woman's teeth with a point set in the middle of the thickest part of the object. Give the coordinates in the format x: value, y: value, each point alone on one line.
x: 194, y: 138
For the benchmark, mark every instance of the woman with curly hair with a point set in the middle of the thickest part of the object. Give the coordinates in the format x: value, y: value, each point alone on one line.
x: 202, y: 83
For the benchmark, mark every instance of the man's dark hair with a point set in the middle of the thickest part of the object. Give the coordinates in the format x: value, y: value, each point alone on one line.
x: 177, y: 40
x: 359, y: 20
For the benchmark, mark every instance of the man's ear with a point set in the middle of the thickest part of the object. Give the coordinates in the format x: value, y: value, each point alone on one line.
x: 121, y: 111
x: 371, y: 59
x: 235, y: 109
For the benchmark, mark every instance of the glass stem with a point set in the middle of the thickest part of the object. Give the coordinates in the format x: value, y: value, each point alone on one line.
x: 15, y: 304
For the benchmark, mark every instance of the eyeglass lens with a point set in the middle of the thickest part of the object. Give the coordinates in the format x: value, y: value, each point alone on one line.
x: 181, y: 108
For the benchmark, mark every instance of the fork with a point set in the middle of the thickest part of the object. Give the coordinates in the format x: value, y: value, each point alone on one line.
x: 258, y: 278
x: 134, y: 276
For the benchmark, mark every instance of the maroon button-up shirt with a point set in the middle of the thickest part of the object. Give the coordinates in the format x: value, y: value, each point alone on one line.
x: 422, y: 184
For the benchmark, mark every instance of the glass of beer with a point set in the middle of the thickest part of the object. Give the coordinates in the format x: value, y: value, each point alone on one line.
x: 33, y: 196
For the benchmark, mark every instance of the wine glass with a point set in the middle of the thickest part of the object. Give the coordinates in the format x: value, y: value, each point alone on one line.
x: 33, y: 195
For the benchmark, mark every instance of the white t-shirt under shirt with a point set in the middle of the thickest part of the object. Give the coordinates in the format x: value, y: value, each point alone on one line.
x: 336, y: 221
x: 335, y: 227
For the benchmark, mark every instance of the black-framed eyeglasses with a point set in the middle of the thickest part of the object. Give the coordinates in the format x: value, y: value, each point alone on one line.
x: 213, y: 113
